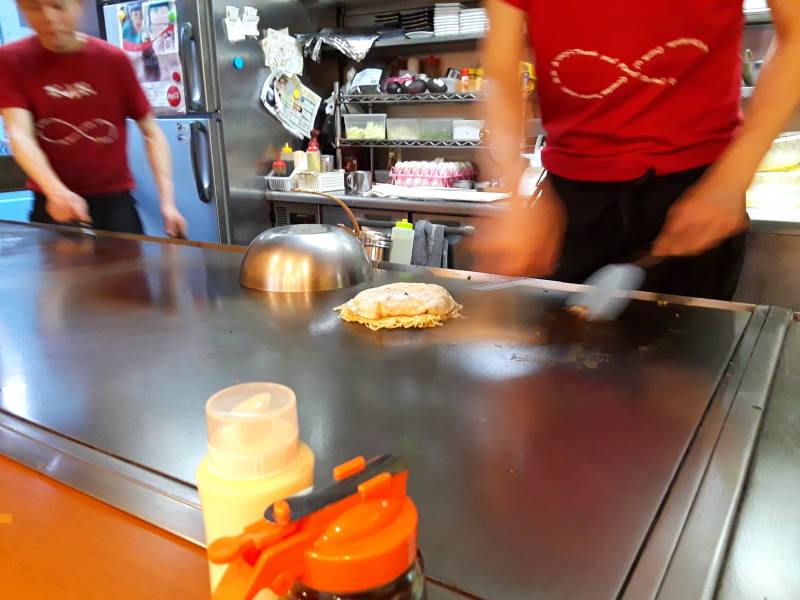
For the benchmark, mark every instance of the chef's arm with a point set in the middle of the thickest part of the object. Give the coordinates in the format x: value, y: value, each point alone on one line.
x: 63, y: 205
x: 158, y: 155
x: 525, y: 240
x: 776, y: 97
x: 27, y: 152
x: 504, y: 108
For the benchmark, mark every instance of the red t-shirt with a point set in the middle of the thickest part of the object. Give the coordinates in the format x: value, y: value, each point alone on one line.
x: 79, y: 102
x: 629, y: 85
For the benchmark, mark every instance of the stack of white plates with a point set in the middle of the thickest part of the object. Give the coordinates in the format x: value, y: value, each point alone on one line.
x: 473, y: 20
x: 446, y: 18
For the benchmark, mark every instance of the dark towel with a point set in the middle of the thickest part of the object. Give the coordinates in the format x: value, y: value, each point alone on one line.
x: 430, y: 245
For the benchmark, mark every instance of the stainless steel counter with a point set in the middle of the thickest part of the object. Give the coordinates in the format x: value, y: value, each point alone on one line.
x: 445, y: 207
x: 763, y: 559
x: 785, y: 221
x: 546, y: 453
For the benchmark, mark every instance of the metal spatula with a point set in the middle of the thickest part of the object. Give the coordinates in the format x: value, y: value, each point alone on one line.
x: 609, y: 288
x: 85, y: 227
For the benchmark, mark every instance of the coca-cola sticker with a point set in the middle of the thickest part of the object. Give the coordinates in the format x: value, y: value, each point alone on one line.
x: 173, y: 95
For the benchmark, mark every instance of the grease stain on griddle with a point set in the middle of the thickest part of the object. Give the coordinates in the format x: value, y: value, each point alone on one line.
x: 578, y: 357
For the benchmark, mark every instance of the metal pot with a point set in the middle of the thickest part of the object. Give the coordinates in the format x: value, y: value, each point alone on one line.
x: 304, y: 258
x: 375, y: 244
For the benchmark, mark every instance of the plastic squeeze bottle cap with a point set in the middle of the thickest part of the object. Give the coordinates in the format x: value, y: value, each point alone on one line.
x: 404, y: 224
x: 313, y: 144
x: 287, y: 148
x: 252, y: 430
x: 353, y: 537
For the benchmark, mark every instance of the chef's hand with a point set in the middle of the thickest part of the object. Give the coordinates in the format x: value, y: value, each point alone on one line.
x: 702, y: 219
x: 174, y: 224
x: 526, y: 241
x: 66, y: 206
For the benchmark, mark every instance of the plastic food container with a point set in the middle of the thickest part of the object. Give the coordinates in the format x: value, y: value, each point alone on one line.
x: 450, y: 82
x: 467, y: 130
x: 440, y: 130
x: 330, y: 181
x: 402, y: 129
x: 365, y: 127
x: 783, y: 154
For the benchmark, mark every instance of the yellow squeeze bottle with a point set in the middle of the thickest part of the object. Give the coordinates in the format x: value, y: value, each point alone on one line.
x: 255, y: 458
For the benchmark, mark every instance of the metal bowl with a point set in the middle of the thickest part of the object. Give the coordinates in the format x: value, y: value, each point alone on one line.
x: 304, y: 258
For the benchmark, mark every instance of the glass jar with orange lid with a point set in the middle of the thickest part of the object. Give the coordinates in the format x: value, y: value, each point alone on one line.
x: 354, y: 540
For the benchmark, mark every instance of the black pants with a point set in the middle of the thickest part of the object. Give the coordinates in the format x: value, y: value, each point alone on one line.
x: 612, y: 222
x: 109, y: 212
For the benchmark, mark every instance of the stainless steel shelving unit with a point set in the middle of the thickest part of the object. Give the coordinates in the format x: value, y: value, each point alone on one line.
x: 445, y: 98
x: 754, y: 16
x: 370, y: 100
x: 393, y: 42
x: 410, y: 144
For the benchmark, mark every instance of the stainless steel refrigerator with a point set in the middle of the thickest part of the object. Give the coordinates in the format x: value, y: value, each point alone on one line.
x: 205, y: 92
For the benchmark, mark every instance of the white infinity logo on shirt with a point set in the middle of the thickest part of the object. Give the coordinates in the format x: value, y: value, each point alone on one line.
x: 628, y: 72
x: 63, y: 133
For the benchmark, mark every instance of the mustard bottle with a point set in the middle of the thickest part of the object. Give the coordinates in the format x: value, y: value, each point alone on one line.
x: 255, y: 458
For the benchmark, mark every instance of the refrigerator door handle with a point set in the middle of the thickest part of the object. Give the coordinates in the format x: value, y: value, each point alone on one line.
x: 202, y: 176
x: 189, y: 57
